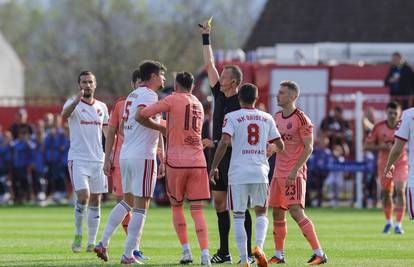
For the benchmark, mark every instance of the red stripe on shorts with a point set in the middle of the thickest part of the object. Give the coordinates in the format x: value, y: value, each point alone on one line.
x: 145, y: 176
x: 411, y: 203
x: 150, y: 173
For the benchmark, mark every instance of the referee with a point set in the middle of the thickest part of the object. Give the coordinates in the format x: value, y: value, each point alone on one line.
x: 225, y: 91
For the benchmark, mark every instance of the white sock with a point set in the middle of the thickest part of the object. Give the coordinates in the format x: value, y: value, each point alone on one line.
x: 318, y: 252
x: 240, y: 236
x: 205, y: 253
x: 389, y: 222
x: 186, y: 247
x: 135, y: 226
x: 398, y: 224
x: 94, y: 218
x: 260, y: 229
x: 115, y: 218
x: 279, y: 254
x: 80, y: 212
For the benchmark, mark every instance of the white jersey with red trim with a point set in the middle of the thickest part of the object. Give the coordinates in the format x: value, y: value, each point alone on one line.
x: 85, y: 127
x: 250, y: 131
x: 139, y: 142
x: 406, y: 133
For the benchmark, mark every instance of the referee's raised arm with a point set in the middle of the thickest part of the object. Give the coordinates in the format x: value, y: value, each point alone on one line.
x: 213, y: 75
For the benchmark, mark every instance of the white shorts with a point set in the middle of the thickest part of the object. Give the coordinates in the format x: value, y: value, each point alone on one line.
x: 410, y: 202
x: 88, y: 175
x: 240, y: 195
x: 139, y: 176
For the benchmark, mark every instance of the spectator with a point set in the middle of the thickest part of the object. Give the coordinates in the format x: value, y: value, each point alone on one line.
x: 38, y: 164
x: 338, y: 130
x: 21, y: 159
x: 335, y: 179
x: 5, y: 161
x: 400, y: 80
x: 21, y: 122
x: 48, y: 118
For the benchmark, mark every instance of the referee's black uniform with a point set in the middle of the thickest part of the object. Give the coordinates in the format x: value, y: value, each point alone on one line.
x: 222, y: 106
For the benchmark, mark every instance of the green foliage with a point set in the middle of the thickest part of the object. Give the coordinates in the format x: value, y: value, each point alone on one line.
x: 56, y: 39
x: 32, y: 236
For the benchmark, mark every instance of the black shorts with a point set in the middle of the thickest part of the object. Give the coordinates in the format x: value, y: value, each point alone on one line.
x: 221, y: 184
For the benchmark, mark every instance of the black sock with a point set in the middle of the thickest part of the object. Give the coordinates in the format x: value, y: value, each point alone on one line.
x: 224, y: 229
x: 248, y: 228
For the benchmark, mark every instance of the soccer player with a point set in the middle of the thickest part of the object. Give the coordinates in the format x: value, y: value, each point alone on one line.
x: 248, y: 131
x: 381, y: 139
x: 121, y: 212
x: 87, y: 118
x: 288, y: 185
x: 225, y: 91
x: 186, y: 165
x: 137, y: 158
x: 403, y: 135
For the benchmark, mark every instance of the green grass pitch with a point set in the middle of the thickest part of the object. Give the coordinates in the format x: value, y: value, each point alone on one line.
x: 32, y: 236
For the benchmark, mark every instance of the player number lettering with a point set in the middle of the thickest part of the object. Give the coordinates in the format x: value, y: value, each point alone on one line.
x: 126, y: 113
x: 253, y: 133
x: 194, y: 120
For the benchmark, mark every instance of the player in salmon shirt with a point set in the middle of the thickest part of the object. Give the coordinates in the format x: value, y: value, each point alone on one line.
x: 381, y: 140
x: 186, y: 171
x: 288, y: 186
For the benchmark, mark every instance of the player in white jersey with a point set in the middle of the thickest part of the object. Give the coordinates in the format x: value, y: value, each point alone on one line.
x: 248, y: 131
x: 138, y: 153
x: 87, y: 118
x: 403, y: 135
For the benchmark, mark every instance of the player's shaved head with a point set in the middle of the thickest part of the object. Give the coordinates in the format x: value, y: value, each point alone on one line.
x: 248, y: 93
x: 292, y: 87
x: 185, y: 80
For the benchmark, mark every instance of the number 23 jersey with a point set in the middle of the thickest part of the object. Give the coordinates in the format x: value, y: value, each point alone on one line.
x: 250, y: 131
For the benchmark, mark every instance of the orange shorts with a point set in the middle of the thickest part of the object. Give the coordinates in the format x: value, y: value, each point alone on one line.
x: 282, y: 196
x: 400, y: 174
x: 116, y: 182
x: 189, y: 183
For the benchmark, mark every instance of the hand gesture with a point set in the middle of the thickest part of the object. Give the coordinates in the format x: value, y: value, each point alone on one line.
x: 107, y: 167
x: 207, y: 143
x: 161, y: 170
x: 214, y: 175
x: 206, y: 27
x: 388, y: 172
x: 79, y: 95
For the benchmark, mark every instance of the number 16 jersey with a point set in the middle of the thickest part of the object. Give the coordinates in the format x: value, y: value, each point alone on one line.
x: 250, y: 131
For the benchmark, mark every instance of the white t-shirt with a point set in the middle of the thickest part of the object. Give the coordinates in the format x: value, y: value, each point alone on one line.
x: 139, y: 142
x: 250, y: 131
x: 406, y: 133
x: 85, y: 125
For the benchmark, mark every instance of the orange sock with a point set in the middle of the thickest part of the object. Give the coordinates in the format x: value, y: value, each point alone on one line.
x: 125, y: 222
x: 388, y: 212
x: 179, y: 223
x: 279, y: 234
x: 308, y: 231
x: 400, y: 211
x: 200, y: 224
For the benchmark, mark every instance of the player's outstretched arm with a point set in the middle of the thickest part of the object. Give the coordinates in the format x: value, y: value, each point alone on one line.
x: 395, y: 153
x: 213, y: 76
x: 144, y: 119
x: 218, y: 156
x: 67, y: 111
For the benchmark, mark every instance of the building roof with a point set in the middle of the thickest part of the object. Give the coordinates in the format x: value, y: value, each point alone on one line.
x: 311, y: 21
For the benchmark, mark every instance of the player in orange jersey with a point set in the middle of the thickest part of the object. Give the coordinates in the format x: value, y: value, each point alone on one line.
x: 113, y: 144
x: 288, y: 186
x: 186, y: 165
x: 381, y: 140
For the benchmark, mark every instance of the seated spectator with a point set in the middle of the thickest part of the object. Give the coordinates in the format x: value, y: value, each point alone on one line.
x: 338, y: 130
x: 21, y: 122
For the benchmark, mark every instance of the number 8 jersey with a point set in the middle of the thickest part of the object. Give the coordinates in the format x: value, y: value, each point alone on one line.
x: 139, y: 142
x: 250, y: 131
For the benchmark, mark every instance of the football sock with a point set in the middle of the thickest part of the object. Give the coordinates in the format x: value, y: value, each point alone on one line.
x: 94, y: 218
x: 400, y: 212
x: 308, y: 231
x: 224, y: 229
x: 200, y: 224
x: 180, y: 225
x: 248, y: 228
x: 388, y: 212
x: 125, y: 222
x: 260, y: 229
x: 240, y: 236
x: 135, y: 228
x: 116, y: 216
x: 80, y: 212
x: 279, y: 235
